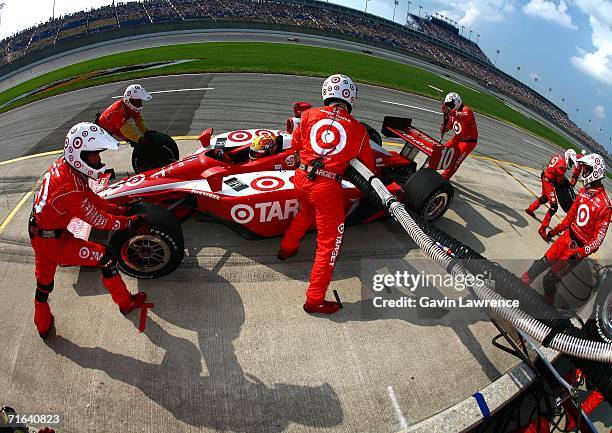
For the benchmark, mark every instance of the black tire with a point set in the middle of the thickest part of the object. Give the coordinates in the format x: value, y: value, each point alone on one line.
x: 156, y: 254
x: 373, y: 134
x: 161, y: 151
x: 428, y: 193
x: 565, y: 195
x: 602, y: 309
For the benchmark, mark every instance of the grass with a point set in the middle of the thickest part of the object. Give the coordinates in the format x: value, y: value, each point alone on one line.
x: 273, y: 58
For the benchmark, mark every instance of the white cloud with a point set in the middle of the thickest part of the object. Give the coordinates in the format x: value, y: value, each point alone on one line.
x: 549, y: 11
x: 598, y: 63
x: 467, y: 13
x: 599, y: 112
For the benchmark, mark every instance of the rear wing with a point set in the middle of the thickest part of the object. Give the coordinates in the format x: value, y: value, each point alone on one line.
x: 79, y: 228
x: 416, y: 140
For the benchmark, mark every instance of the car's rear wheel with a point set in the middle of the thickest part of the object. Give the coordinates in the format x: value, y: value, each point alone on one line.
x: 602, y: 309
x: 373, y: 134
x: 153, y: 255
x: 161, y: 151
x: 428, y: 193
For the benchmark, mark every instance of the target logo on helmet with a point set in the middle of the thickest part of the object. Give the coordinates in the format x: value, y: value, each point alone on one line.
x: 85, y: 133
x: 346, y: 93
x: 335, y: 79
x: 77, y: 142
x: 327, y: 137
x: 583, y: 215
x: 93, y: 128
x: 77, y: 164
x: 267, y: 183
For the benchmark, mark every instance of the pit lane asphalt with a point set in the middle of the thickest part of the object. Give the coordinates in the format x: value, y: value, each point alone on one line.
x: 227, y: 346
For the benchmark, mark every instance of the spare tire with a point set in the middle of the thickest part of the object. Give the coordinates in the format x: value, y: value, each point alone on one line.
x: 428, y: 193
x: 159, y: 152
x: 565, y: 194
x: 373, y: 134
x: 153, y: 255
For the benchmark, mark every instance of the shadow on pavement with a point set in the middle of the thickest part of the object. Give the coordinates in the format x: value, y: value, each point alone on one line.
x: 224, y: 399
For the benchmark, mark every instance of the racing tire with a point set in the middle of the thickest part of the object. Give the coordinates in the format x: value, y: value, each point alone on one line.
x: 602, y: 309
x: 565, y: 194
x: 153, y: 255
x: 428, y: 193
x: 161, y: 151
x: 373, y: 134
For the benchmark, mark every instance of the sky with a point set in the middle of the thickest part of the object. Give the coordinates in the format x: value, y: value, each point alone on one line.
x: 561, y: 45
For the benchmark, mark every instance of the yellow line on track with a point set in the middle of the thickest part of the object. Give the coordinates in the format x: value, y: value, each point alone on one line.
x: 13, y: 212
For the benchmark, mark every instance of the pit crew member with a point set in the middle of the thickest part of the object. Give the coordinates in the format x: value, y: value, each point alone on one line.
x: 327, y: 138
x: 583, y: 229
x: 576, y: 174
x: 553, y: 174
x: 460, y: 119
x: 64, y: 194
x: 123, y: 118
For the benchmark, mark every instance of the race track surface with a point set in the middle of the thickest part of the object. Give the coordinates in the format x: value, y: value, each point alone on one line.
x: 227, y: 346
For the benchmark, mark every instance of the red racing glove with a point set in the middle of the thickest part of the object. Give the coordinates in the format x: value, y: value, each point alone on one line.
x: 578, y: 253
x: 554, y: 232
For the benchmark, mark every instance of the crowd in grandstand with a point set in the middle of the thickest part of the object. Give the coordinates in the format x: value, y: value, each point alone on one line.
x: 426, y: 37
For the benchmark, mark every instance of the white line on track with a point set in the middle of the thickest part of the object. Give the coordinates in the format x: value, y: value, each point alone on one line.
x: 536, y: 144
x: 435, y: 88
x: 173, y: 91
x: 410, y: 106
x: 396, y: 407
x: 461, y: 84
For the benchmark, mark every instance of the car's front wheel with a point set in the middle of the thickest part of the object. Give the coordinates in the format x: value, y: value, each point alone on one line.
x: 428, y: 193
x: 153, y: 255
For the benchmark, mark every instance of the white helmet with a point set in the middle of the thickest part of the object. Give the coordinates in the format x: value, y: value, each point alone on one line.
x: 594, y: 168
x: 453, y: 100
x: 583, y: 152
x: 135, y: 91
x: 570, y: 157
x: 339, y: 87
x: 83, y: 138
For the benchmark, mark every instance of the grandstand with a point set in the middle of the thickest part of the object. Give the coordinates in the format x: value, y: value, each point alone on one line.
x: 434, y: 40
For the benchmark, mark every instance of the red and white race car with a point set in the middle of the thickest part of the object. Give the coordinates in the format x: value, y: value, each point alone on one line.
x: 219, y: 182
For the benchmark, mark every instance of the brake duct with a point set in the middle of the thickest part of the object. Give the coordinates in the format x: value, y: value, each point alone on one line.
x: 553, y: 330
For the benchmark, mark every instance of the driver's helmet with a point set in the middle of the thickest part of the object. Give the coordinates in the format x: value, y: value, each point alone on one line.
x: 593, y: 168
x: 453, y: 101
x: 570, y: 158
x: 133, y: 94
x: 85, y: 138
x: 339, y: 87
x: 261, y: 146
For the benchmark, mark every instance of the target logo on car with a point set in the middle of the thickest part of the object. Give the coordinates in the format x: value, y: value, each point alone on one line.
x: 267, y: 212
x: 240, y: 136
x: 327, y: 137
x: 267, y: 183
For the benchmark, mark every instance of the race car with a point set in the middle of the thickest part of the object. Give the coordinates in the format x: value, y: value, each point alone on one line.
x: 218, y: 181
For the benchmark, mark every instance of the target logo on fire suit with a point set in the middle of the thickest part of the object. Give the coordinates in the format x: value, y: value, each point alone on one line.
x: 457, y: 128
x: 266, y: 212
x: 582, y: 217
x: 327, y: 137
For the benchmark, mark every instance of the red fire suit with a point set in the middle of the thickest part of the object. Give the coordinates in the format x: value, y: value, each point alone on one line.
x: 553, y: 174
x: 65, y: 194
x: 463, y: 124
x: 117, y: 118
x: 584, y: 230
x: 333, y: 135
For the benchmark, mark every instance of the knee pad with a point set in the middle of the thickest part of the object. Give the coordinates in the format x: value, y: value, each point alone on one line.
x: 553, y: 208
x: 550, y: 282
x: 108, y: 263
x: 42, y: 291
